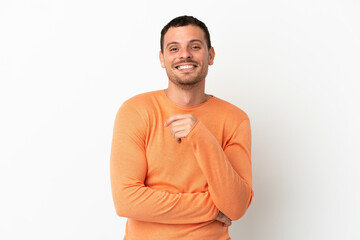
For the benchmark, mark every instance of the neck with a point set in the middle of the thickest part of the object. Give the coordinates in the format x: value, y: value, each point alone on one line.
x: 187, y: 97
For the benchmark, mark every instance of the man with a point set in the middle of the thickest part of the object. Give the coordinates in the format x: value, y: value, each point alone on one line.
x: 180, y: 158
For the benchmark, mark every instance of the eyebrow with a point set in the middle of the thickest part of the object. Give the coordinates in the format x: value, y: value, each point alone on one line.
x: 191, y: 41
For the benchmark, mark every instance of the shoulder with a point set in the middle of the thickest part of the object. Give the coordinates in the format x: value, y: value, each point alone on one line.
x: 230, y: 111
x: 141, y: 103
x: 233, y: 121
x: 137, y: 105
x: 142, y: 99
x: 135, y: 110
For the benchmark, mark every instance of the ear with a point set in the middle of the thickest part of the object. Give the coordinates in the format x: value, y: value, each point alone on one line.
x: 211, y: 56
x: 161, y: 57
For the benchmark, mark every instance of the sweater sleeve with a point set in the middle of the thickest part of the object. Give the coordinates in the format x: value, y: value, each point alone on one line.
x: 228, y: 170
x: 128, y: 169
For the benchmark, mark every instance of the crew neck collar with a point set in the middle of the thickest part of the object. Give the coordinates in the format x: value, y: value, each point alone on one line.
x: 163, y: 94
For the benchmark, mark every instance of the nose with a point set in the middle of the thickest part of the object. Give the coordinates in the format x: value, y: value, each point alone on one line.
x: 185, y: 53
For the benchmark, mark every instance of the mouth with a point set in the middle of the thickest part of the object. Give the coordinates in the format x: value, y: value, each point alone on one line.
x: 186, y: 67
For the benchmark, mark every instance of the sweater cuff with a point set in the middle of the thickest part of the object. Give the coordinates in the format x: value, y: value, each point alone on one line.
x: 194, y: 130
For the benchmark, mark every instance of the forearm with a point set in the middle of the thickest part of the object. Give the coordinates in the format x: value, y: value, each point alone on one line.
x: 229, y: 181
x: 132, y: 199
x: 139, y: 202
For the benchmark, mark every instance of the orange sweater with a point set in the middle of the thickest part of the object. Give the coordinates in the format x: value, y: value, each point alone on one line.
x: 169, y: 190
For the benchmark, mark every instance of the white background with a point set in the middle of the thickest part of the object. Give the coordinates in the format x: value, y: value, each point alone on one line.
x: 66, y: 67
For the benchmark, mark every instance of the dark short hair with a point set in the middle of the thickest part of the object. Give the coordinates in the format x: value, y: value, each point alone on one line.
x: 185, y: 21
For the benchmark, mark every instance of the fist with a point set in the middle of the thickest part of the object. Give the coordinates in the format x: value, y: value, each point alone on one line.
x: 224, y: 219
x: 181, y: 124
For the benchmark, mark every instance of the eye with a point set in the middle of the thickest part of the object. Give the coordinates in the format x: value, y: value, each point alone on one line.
x: 196, y: 47
x: 173, y: 49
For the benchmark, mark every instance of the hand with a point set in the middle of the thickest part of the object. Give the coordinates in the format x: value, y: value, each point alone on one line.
x: 181, y: 124
x: 224, y: 219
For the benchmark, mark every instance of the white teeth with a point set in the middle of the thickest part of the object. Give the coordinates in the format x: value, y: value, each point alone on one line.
x: 185, y: 67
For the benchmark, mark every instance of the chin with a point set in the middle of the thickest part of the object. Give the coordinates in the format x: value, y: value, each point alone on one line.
x: 186, y: 84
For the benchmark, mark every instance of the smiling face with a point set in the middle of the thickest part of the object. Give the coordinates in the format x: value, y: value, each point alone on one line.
x: 186, y: 56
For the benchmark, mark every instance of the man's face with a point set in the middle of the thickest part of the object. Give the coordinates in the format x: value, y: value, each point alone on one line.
x: 186, y: 56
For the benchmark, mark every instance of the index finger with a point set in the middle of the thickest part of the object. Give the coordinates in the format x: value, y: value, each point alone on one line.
x: 175, y: 118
